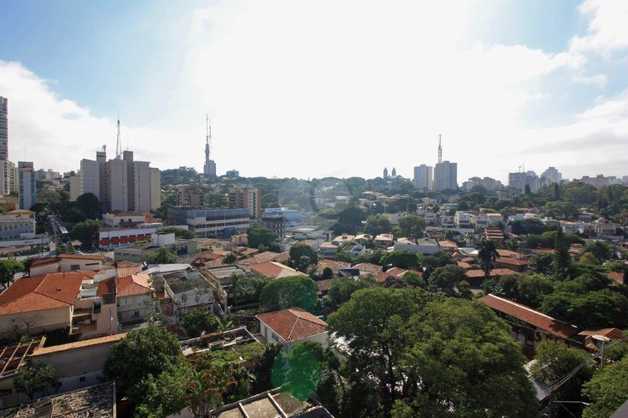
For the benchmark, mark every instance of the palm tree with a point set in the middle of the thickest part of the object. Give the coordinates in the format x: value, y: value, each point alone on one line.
x: 487, y: 255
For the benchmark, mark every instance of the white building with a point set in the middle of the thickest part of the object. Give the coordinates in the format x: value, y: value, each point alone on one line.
x: 551, y: 176
x: 17, y: 225
x: 8, y: 177
x: 292, y: 325
x: 521, y: 181
x: 463, y: 219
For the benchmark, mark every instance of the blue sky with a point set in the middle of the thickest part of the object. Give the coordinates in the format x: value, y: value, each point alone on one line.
x: 308, y: 89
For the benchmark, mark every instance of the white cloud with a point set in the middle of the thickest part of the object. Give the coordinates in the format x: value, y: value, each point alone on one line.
x: 607, y: 29
x: 301, y: 88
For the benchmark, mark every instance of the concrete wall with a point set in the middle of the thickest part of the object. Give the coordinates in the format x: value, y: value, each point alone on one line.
x: 35, y: 322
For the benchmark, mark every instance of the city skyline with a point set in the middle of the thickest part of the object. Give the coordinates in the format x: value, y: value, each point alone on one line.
x: 507, y: 84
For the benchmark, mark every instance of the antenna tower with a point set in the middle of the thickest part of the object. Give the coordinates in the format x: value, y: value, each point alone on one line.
x: 118, y: 144
x: 440, y: 149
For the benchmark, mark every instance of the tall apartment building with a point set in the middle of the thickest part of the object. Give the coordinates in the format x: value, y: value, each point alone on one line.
x: 189, y: 196
x: 155, y: 188
x: 551, y: 176
x: 423, y: 177
x: 248, y: 198
x: 521, y: 181
x: 8, y: 177
x: 121, y: 184
x: 445, y: 176
x: 27, y: 186
x: 4, y: 129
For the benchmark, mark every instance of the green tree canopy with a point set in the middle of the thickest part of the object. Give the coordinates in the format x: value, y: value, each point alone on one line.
x: 35, y: 378
x: 87, y: 233
x: 198, y: 320
x: 8, y: 268
x: 401, y: 259
x: 302, y: 256
x: 447, y: 280
x: 411, y: 226
x: 460, y: 357
x: 289, y: 292
x: 378, y: 224
x: 89, y: 205
x: 607, y: 390
x: 260, y: 236
x: 144, y: 352
x: 298, y: 369
x: 162, y: 256
x: 342, y: 288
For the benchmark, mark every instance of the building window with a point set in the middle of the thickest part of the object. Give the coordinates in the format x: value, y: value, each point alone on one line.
x: 97, y: 307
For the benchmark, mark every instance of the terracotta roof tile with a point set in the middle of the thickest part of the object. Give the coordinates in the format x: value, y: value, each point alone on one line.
x: 49, y: 291
x: 479, y: 273
x: 274, y: 270
x: 293, y: 324
x: 530, y: 316
x: 133, y: 285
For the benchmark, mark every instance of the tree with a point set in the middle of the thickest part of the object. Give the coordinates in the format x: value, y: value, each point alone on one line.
x: 87, y: 233
x: 302, y: 256
x: 401, y: 259
x: 562, y: 259
x: 260, y: 236
x: 290, y: 292
x: 556, y: 361
x: 230, y: 258
x: 8, y: 268
x: 349, y: 221
x: 532, y: 288
x: 378, y: 224
x: 178, y: 232
x: 543, y: 264
x: 460, y: 357
x: 372, y: 322
x: 298, y: 369
x: 487, y: 255
x: 411, y: 226
x: 341, y: 290
x: 89, y: 206
x: 607, y: 390
x: 144, y: 352
x: 246, y: 289
x: 446, y: 279
x: 327, y: 274
x: 197, y: 321
x: 600, y: 250
x: 200, y: 384
x: 34, y: 378
x: 589, y: 310
x: 161, y: 256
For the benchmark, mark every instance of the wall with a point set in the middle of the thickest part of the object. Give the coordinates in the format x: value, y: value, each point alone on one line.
x: 36, y: 322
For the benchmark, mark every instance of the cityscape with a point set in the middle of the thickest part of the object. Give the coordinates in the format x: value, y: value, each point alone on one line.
x: 192, y: 269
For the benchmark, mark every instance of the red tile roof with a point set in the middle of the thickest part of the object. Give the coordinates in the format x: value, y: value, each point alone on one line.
x: 133, y: 285
x: 530, y: 316
x: 612, y: 333
x: 509, y: 253
x: 479, y: 273
x: 512, y: 261
x: 395, y: 272
x: 335, y: 266
x: 369, y: 268
x: 82, y: 257
x: 293, y: 324
x: 616, y: 276
x: 49, y: 291
x: 274, y: 270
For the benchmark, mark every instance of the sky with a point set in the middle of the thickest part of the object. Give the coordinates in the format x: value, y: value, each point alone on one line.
x: 302, y: 88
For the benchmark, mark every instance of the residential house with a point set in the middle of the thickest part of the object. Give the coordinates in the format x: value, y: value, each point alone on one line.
x: 274, y: 270
x: 71, y: 301
x: 134, y: 298
x: 292, y: 325
x: 67, y: 262
x: 187, y: 290
x: 529, y: 326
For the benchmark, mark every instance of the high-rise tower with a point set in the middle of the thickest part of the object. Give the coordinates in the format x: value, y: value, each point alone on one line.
x: 209, y: 169
x: 4, y: 129
x: 440, y: 149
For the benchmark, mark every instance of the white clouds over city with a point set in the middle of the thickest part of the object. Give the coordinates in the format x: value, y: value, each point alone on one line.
x: 308, y: 89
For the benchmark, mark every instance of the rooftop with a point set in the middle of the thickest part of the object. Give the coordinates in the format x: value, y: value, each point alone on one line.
x: 530, y: 316
x: 274, y: 270
x: 12, y: 357
x: 293, y: 324
x: 94, y: 401
x: 271, y: 404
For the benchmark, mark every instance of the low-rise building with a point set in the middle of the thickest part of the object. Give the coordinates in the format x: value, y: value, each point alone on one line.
x: 17, y: 225
x: 109, y: 238
x: 187, y: 290
x: 71, y: 301
x: 274, y: 270
x: 463, y: 219
x: 384, y: 240
x: 67, y: 262
x: 292, y: 325
x: 134, y: 298
x: 206, y: 222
